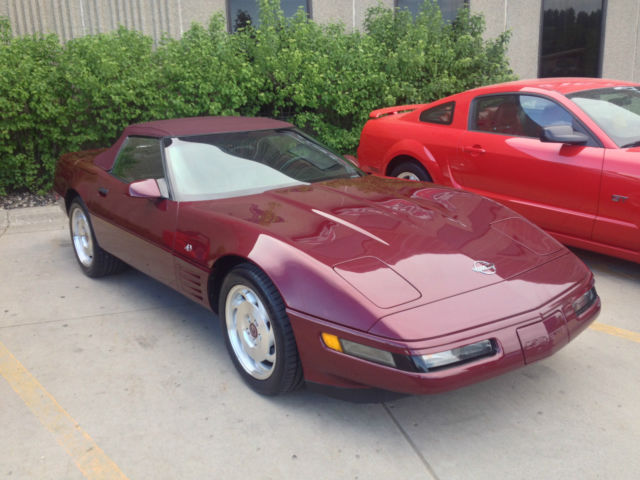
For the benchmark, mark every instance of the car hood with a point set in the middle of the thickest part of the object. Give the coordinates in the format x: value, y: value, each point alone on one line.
x: 397, y: 242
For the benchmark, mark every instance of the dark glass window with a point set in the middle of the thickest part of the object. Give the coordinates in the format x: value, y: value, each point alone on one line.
x: 442, y: 114
x: 139, y: 158
x: 449, y: 8
x: 498, y: 114
x: 243, y: 12
x: 521, y: 115
x: 571, y: 38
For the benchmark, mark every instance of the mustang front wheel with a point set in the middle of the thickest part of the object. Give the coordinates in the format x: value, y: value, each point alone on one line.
x: 93, y: 260
x: 257, y: 331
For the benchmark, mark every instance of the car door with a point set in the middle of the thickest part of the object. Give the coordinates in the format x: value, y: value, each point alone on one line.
x: 618, y: 221
x: 502, y: 156
x: 139, y: 231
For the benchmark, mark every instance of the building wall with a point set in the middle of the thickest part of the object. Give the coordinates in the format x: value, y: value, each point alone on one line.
x: 621, y: 52
x: 73, y: 18
x: 350, y: 12
x: 621, y: 46
x: 522, y: 18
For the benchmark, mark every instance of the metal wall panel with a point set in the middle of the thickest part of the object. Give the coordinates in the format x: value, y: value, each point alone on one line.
x: 75, y: 18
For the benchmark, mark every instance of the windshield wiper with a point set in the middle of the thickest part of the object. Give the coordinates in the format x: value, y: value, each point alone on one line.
x: 632, y: 144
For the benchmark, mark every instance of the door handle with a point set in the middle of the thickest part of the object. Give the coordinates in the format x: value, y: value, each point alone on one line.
x: 103, y: 191
x: 474, y: 150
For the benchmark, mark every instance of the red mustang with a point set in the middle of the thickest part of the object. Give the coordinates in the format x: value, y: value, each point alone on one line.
x: 318, y: 271
x: 564, y: 152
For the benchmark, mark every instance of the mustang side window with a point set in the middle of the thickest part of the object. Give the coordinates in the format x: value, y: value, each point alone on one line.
x: 540, y: 112
x: 485, y: 113
x: 442, y: 114
x: 139, y: 158
x: 543, y: 112
x: 498, y: 114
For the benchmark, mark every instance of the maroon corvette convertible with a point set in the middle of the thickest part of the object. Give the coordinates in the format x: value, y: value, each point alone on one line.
x: 318, y: 272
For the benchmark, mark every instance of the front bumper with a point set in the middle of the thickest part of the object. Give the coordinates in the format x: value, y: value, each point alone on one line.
x: 519, y: 340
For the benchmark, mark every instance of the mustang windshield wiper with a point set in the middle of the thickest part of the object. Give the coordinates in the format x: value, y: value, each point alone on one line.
x: 632, y: 144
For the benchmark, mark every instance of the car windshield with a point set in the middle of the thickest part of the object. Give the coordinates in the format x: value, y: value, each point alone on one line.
x: 226, y: 165
x: 615, y: 110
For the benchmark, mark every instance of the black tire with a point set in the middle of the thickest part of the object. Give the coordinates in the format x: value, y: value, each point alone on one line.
x: 411, y: 171
x: 257, y: 331
x: 93, y: 260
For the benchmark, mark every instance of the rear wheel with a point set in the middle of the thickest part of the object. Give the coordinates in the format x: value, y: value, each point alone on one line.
x: 93, y: 260
x: 257, y: 331
x: 410, y: 171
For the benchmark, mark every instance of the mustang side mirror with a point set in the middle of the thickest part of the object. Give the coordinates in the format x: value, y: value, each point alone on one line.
x: 563, y: 134
x: 145, y: 189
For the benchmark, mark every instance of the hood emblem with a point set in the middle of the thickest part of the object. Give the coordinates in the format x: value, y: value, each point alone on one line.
x: 483, y: 267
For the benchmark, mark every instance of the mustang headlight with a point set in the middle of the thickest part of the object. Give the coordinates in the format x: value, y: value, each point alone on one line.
x: 455, y: 356
x: 585, y: 301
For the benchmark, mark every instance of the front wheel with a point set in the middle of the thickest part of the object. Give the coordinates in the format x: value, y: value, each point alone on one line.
x: 411, y: 171
x: 257, y: 331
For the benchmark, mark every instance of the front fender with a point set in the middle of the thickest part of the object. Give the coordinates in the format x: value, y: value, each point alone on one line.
x: 309, y: 286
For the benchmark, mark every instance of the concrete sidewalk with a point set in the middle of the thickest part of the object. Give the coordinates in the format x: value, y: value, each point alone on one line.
x: 126, y: 367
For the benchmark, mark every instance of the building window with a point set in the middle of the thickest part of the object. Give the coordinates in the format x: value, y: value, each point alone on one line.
x: 571, y: 38
x: 449, y: 8
x: 243, y: 12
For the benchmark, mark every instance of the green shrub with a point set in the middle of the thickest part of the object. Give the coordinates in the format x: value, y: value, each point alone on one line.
x: 205, y: 73
x: 107, y: 82
x: 56, y: 98
x: 30, y: 105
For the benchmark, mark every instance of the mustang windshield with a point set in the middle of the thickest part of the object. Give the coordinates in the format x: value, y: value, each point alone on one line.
x: 225, y: 165
x: 615, y: 110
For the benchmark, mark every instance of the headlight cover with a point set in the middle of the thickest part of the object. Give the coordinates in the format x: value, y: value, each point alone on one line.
x: 414, y: 363
x: 583, y: 303
x: 455, y: 356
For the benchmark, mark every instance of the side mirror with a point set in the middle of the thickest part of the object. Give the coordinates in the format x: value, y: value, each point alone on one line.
x: 145, y: 189
x: 563, y: 134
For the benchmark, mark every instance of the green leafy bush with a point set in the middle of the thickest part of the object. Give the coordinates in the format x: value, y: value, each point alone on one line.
x: 30, y: 137
x: 106, y: 82
x: 56, y: 98
x: 205, y: 73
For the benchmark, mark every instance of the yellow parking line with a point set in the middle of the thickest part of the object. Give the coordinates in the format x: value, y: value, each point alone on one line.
x: 90, y: 459
x: 618, y: 332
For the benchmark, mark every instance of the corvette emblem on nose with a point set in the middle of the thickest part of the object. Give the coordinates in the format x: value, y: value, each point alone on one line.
x: 483, y: 267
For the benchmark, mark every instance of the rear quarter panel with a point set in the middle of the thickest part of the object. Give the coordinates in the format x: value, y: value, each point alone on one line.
x: 386, y: 139
x: 73, y: 171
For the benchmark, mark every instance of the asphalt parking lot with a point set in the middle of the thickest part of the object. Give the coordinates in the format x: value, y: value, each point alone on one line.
x: 122, y: 378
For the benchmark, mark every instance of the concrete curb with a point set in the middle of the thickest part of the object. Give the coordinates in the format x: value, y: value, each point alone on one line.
x: 28, y: 218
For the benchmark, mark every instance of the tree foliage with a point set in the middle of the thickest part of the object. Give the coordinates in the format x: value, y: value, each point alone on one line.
x: 58, y: 97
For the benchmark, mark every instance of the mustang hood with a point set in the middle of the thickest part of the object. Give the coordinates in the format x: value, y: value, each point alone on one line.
x: 398, y: 242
